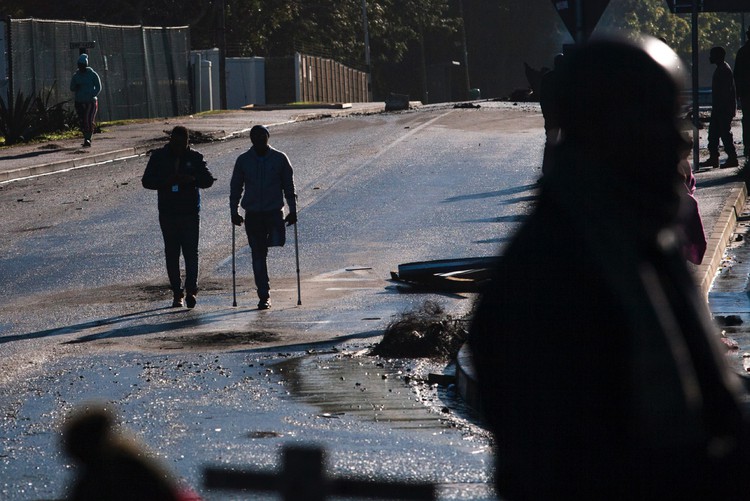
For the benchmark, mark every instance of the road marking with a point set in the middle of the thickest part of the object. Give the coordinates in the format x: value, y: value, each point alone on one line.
x: 352, y: 288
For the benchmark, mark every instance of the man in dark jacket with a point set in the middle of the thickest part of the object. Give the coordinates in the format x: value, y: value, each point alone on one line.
x: 266, y: 176
x: 600, y: 372
x: 177, y: 173
x: 742, y: 83
x: 723, y: 109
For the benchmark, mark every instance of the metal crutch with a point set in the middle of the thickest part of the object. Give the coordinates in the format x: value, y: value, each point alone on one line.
x: 234, y: 270
x: 296, y: 252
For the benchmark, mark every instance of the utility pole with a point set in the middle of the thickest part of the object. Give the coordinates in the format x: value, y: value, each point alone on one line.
x: 696, y: 105
x: 222, y: 42
x: 466, y: 50
x: 367, y: 50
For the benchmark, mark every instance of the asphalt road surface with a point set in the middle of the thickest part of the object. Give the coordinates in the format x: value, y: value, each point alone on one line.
x: 84, y: 314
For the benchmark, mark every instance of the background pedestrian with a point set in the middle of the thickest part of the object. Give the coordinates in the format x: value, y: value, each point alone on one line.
x: 723, y: 109
x: 266, y: 177
x: 178, y: 173
x: 86, y: 85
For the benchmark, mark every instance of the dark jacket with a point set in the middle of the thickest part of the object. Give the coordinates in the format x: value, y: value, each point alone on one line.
x: 266, y: 180
x: 177, y: 198
x: 742, y: 71
x: 724, y: 96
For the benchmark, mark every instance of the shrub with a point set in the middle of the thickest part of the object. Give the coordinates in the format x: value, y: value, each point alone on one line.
x: 30, y: 116
x: 17, y: 121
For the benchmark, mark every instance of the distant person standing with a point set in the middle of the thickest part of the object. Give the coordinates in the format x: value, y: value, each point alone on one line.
x: 266, y: 177
x: 742, y: 83
x: 548, y: 101
x: 177, y: 173
x: 86, y: 85
x: 723, y: 109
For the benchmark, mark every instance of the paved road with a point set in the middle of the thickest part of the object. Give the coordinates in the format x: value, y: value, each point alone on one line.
x: 85, y: 318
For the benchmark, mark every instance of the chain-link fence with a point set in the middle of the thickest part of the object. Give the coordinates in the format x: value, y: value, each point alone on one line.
x: 144, y: 70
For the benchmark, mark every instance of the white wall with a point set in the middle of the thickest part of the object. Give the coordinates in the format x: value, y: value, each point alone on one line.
x: 246, y: 81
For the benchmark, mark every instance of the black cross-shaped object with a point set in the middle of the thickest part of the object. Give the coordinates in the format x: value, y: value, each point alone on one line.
x: 303, y: 479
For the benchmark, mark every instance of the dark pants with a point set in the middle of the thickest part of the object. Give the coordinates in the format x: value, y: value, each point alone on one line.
x: 745, y: 105
x: 87, y: 116
x: 264, y: 230
x: 720, y: 127
x: 181, y: 236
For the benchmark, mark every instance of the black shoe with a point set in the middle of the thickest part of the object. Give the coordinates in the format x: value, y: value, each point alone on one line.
x: 264, y: 304
x: 177, y: 302
x: 190, y: 301
x: 730, y: 162
x: 711, y: 162
x: 86, y: 143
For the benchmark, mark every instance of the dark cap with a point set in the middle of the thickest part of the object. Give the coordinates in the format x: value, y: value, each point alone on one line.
x: 259, y: 129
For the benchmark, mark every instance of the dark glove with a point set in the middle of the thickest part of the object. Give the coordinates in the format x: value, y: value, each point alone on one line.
x: 237, y: 220
x: 291, y: 218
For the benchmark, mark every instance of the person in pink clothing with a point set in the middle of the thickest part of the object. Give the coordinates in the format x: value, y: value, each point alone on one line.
x: 689, y: 219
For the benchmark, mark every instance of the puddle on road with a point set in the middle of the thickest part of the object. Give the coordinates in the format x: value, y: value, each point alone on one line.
x: 366, y: 387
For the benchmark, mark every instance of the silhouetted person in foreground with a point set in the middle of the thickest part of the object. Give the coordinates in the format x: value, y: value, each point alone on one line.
x: 548, y: 102
x: 111, y: 466
x: 723, y: 110
x: 600, y: 372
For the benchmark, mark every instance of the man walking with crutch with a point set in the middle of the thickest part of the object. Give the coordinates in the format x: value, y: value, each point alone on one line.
x: 266, y: 177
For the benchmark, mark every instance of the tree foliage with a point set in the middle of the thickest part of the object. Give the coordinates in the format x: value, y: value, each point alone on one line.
x: 654, y: 18
x: 502, y: 34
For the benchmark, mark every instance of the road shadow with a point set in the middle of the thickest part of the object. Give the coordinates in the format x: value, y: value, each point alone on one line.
x: 491, y: 194
x: 32, y: 154
x: 192, y: 321
x: 72, y: 329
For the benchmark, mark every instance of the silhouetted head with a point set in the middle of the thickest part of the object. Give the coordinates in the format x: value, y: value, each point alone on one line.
x: 179, y: 140
x: 259, y: 137
x: 619, y: 106
x: 717, y: 55
x: 86, y: 431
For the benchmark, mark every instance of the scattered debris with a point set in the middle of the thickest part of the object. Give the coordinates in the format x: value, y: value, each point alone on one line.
x: 466, y: 105
x: 728, y: 320
x: 426, y: 332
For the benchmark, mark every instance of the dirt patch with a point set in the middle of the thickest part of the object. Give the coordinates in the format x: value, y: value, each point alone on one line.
x: 214, y: 339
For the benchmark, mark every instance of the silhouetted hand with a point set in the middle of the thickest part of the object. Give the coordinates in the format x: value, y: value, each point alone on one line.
x: 237, y: 220
x: 291, y: 218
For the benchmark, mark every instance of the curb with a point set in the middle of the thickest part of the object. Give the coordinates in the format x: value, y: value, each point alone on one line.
x: 719, y: 238
x: 74, y: 163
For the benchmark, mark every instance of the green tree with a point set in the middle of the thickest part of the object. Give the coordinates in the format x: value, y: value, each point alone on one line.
x: 654, y: 18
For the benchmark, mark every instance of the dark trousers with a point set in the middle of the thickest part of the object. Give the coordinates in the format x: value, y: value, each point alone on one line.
x: 87, y: 116
x: 720, y: 127
x: 181, y: 237
x: 745, y: 105
x: 264, y: 230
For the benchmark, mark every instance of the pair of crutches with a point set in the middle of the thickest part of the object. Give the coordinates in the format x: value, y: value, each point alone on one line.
x: 234, y: 268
